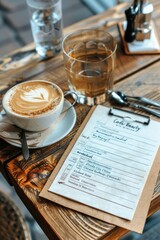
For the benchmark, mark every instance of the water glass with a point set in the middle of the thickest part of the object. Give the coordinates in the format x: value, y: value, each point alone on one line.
x: 46, y: 25
x: 89, y: 59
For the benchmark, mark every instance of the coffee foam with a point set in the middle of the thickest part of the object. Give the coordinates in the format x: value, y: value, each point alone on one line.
x: 34, y: 98
x: 35, y: 95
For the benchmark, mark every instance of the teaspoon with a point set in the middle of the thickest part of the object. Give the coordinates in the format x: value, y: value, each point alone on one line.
x: 25, y: 149
x: 113, y: 96
x: 139, y: 99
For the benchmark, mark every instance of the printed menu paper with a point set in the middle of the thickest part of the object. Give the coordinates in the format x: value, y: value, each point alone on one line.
x: 109, y: 163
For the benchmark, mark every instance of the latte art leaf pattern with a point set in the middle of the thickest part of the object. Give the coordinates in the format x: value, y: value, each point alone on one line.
x: 36, y: 95
x: 34, y: 98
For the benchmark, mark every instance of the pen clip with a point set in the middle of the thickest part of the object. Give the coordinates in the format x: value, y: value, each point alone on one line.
x: 141, y: 118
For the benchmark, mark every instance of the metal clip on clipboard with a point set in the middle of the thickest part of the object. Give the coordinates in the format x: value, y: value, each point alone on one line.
x: 139, y: 118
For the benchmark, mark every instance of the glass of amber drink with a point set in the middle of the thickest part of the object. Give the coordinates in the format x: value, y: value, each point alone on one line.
x: 89, y: 59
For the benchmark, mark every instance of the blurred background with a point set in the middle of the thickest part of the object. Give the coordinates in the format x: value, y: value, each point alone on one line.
x: 15, y: 28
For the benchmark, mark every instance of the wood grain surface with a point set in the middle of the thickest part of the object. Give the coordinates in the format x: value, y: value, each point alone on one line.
x: 135, y: 75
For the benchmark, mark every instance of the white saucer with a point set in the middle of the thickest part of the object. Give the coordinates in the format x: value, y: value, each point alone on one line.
x: 55, y: 132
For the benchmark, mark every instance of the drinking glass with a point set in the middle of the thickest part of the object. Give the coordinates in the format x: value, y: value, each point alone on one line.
x: 89, y: 60
x: 46, y: 25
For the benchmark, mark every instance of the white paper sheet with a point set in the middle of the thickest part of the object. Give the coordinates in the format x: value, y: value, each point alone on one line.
x: 109, y: 164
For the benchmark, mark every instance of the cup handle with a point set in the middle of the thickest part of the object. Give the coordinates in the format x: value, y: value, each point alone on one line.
x: 75, y: 99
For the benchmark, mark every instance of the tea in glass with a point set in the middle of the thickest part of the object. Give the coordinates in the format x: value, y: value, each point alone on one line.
x: 89, y: 58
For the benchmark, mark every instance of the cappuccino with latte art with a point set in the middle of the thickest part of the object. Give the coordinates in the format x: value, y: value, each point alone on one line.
x: 34, y: 105
x: 34, y: 98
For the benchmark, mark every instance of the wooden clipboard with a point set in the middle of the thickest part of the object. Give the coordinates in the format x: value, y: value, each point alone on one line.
x: 138, y: 221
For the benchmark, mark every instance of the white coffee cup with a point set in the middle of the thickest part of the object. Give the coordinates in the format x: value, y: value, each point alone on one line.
x: 34, y: 105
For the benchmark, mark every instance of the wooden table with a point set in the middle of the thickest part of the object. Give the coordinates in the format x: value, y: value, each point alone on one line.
x: 135, y: 75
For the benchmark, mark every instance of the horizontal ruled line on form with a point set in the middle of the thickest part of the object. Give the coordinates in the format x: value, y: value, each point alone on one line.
x: 98, y: 196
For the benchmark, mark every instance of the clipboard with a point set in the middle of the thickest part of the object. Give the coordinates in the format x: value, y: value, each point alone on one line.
x: 138, y: 221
